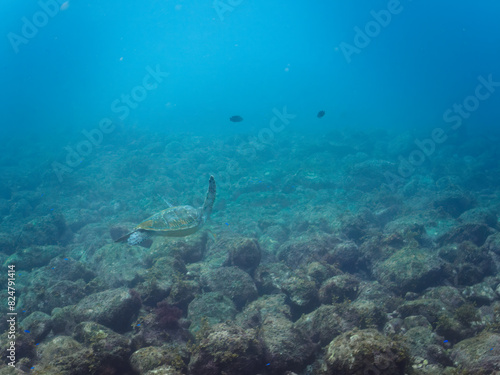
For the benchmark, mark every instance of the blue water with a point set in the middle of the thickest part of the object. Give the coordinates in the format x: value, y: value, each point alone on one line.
x: 245, y: 59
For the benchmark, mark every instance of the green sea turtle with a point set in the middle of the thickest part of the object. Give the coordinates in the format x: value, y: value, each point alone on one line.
x: 176, y: 221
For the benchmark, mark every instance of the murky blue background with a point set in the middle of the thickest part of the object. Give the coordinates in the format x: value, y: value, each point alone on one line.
x: 245, y: 59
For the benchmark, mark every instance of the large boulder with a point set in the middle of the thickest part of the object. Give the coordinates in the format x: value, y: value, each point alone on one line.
x: 478, y: 355
x: 227, y: 349
x: 211, y: 307
x: 361, y: 352
x: 115, y: 308
x: 284, y: 346
x: 410, y: 270
x: 231, y: 282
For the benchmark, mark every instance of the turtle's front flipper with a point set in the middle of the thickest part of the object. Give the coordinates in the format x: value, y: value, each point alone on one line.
x: 134, y: 238
x: 165, y: 200
x: 209, y: 199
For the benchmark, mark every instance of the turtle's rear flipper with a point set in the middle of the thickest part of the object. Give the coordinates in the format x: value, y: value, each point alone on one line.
x: 124, y: 238
x: 134, y: 238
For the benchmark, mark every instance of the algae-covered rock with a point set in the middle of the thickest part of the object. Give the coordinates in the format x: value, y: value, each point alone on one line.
x: 339, y: 288
x: 116, y: 265
x: 159, y: 279
x: 448, y: 295
x: 163, y: 324
x: 188, y: 249
x: 322, y: 325
x: 295, y: 283
x: 33, y: 256
x: 164, y: 370
x: 270, y: 276
x: 274, y: 235
x: 492, y: 243
x: 410, y: 269
x: 76, y: 362
x: 213, y: 307
x: 442, y: 317
x: 454, y: 202
x: 62, y: 282
x: 319, y: 272
x: 478, y: 355
x: 375, y: 292
x: 244, y: 253
x: 472, y: 263
x: 480, y: 215
x: 366, y: 314
x: 63, y: 293
x: 301, y: 290
x: 232, y: 282
x: 360, y: 352
x: 306, y: 249
x: 113, y: 308
x: 285, y: 347
x: 227, y: 349
x: 97, y: 350
x: 102, y: 340
x: 38, y: 324
x: 430, y: 308
x: 424, y: 343
x: 346, y: 255
x: 355, y: 227
x: 46, y: 230
x: 257, y: 311
x: 473, y: 232
x: 153, y: 357
x: 183, y: 292
x: 67, y: 268
x: 480, y: 294
x: 63, y: 321
x: 9, y: 370
x: 58, y: 346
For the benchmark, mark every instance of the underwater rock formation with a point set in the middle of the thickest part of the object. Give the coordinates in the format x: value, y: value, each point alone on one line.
x: 231, y: 282
x: 360, y: 352
x: 227, y: 348
x: 114, y: 308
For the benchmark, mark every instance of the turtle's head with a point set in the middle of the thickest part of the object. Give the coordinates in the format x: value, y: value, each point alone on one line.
x: 209, y: 199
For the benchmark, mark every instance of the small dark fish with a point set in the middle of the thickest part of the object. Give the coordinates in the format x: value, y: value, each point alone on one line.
x: 321, y: 114
x: 236, y: 118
